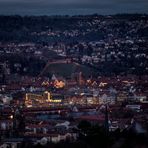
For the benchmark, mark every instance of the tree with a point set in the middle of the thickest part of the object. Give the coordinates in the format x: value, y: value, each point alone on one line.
x: 84, y: 125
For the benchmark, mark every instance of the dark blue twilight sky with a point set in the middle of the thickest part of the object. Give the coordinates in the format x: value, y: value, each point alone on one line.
x: 72, y: 7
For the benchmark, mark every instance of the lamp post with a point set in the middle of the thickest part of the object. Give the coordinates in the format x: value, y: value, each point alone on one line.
x: 14, y: 121
x: 17, y: 118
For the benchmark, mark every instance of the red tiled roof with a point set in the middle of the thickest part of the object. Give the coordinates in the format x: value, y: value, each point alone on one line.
x: 92, y: 118
x: 37, y: 125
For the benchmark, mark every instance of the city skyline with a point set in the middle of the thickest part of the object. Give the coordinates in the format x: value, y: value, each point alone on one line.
x: 71, y: 7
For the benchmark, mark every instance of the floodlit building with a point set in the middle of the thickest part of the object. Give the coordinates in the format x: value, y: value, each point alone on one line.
x: 41, y: 100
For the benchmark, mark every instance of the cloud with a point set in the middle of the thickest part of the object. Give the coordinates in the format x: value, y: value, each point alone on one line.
x: 72, y: 6
x: 67, y: 2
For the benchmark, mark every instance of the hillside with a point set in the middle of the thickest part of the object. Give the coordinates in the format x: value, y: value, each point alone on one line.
x: 68, y: 70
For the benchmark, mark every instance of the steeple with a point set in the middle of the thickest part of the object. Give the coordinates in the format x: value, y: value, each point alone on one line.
x: 106, y: 119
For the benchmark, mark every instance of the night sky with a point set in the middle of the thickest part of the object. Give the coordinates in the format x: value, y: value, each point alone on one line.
x: 72, y: 7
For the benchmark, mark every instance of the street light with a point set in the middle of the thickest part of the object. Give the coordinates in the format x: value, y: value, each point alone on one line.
x: 11, y: 117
